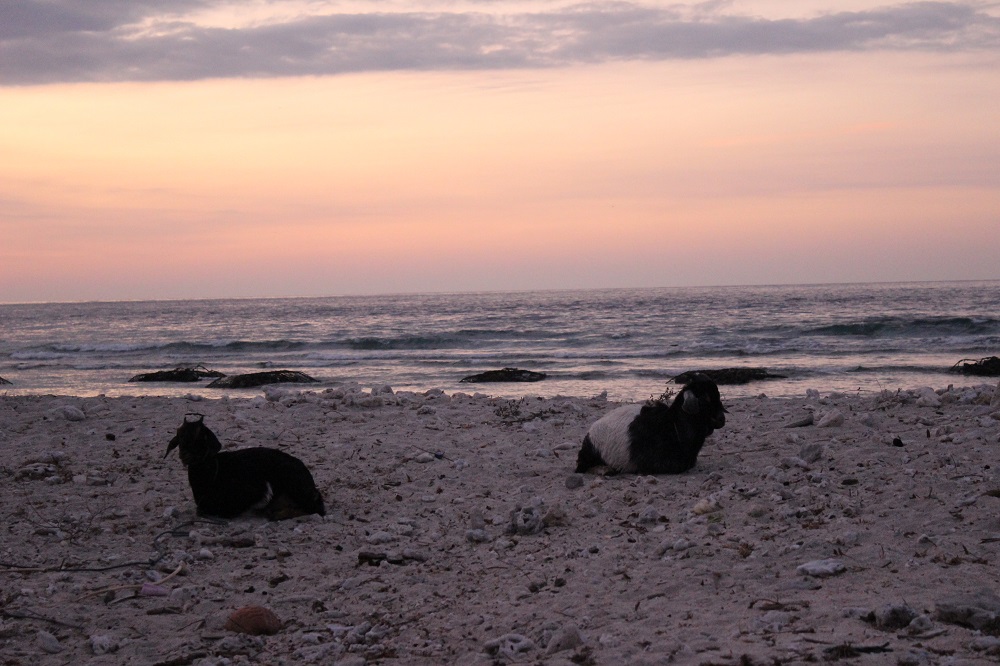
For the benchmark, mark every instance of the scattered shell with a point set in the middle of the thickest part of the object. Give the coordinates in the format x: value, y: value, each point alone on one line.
x: 49, y: 643
x: 833, y: 419
x: 509, y: 645
x: 821, y: 568
x: 153, y: 590
x: 253, y: 620
x: 707, y: 505
x: 477, y: 536
x: 567, y: 638
x: 811, y: 453
x: 101, y: 645
x: 806, y: 420
x: 69, y: 412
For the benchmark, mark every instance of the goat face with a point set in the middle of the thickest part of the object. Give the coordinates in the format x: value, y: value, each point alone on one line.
x: 194, y: 440
x: 700, y: 399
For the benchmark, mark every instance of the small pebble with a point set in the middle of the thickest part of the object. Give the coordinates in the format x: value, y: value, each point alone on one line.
x: 567, y: 638
x: 48, y: 642
x: 102, y: 645
x: 477, y: 536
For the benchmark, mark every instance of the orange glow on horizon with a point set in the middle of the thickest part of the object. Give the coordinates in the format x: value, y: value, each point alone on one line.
x: 612, y: 175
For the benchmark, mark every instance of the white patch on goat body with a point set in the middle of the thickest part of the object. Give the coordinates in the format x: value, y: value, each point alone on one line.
x: 266, y: 499
x: 609, y: 435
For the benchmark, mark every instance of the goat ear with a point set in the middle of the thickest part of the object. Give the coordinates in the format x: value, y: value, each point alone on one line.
x: 690, y: 403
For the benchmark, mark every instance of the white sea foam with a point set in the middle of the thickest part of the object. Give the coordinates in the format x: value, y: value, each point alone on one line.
x: 629, y: 342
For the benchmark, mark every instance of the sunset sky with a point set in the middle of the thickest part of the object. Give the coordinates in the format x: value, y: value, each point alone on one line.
x: 196, y: 149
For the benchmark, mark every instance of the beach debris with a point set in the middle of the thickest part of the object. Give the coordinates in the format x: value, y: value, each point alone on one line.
x: 811, y: 452
x: 510, y: 412
x: 477, y: 535
x: 927, y: 397
x: 984, y: 367
x: 892, y: 617
x: 821, y: 568
x: 566, y: 638
x: 526, y: 520
x: 728, y: 375
x: 802, y: 422
x: 254, y: 379
x: 506, y: 375
x: 101, y: 644
x: 48, y: 642
x: 36, y: 471
x: 178, y: 374
x: 253, y: 620
x: 375, y: 558
x: 705, y: 506
x: 848, y: 651
x: 153, y: 590
x: 68, y: 412
x: 979, y: 611
x: 832, y: 419
x: 509, y: 645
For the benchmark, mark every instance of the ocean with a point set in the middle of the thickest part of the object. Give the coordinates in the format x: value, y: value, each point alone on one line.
x: 626, y: 342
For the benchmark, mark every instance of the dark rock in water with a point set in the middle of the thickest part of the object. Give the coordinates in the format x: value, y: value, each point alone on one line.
x: 980, y: 611
x: 506, y: 375
x: 253, y: 379
x: 728, y: 375
x: 182, y: 374
x: 985, y: 367
x: 4, y: 381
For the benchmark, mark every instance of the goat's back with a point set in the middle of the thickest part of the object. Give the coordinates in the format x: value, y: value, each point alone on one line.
x: 231, y: 482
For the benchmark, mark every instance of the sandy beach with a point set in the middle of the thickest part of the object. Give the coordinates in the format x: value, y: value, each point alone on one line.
x: 860, y: 528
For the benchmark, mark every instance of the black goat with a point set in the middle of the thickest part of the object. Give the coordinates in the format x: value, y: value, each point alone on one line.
x: 229, y: 483
x: 655, y: 438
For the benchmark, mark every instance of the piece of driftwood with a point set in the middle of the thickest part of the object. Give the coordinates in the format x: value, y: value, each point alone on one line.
x: 179, y: 374
x: 728, y: 375
x: 984, y: 367
x: 254, y: 379
x: 506, y: 375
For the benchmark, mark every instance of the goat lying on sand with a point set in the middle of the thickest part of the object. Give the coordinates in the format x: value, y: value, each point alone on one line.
x: 228, y: 483
x: 654, y: 438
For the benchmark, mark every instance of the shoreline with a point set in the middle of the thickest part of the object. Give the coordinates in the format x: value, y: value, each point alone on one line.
x: 784, y: 544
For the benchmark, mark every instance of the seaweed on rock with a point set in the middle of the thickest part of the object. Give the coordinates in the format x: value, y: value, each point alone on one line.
x: 729, y: 375
x: 984, y: 367
x: 178, y: 374
x: 506, y: 375
x: 255, y: 379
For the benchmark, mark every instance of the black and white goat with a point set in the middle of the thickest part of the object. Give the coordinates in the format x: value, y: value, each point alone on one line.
x: 654, y: 438
x: 228, y: 483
